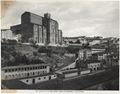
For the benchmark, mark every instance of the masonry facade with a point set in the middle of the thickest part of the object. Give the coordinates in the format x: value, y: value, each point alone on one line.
x: 43, y: 30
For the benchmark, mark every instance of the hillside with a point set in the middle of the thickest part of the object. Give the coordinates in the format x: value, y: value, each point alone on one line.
x: 13, y: 55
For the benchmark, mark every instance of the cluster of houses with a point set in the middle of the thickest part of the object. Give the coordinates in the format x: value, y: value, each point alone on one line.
x: 93, y: 57
x: 96, y: 40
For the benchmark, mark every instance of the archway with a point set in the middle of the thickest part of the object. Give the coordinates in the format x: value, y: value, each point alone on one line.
x: 49, y: 77
x: 28, y: 74
x: 33, y: 81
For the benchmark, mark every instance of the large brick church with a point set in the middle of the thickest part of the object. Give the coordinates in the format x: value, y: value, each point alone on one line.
x: 43, y: 30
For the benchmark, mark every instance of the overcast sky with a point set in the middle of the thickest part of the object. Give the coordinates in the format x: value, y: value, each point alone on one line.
x: 93, y: 18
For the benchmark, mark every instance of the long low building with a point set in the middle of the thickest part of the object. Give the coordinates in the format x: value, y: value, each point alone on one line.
x: 72, y: 73
x: 22, y: 71
x: 28, y: 74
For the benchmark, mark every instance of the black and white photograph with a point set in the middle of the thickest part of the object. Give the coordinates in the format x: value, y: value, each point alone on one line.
x: 60, y: 45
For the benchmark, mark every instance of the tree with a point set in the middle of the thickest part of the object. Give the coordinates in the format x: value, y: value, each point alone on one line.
x: 78, y: 42
x: 71, y: 42
x: 32, y: 42
x: 35, y: 53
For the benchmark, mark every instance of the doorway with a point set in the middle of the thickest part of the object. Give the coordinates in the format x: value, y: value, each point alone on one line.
x: 28, y: 74
x: 33, y: 81
x: 49, y: 77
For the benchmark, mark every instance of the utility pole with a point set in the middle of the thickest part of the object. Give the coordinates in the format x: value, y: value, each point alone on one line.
x: 109, y: 53
x: 60, y: 82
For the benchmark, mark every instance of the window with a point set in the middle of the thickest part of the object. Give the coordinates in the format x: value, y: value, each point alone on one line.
x: 36, y: 28
x: 43, y: 72
x: 22, y: 68
x: 44, y: 67
x: 12, y: 70
x: 33, y: 68
x: 18, y: 69
x: 6, y: 70
x: 15, y: 69
x: 37, y: 73
x: 41, y: 67
x: 27, y: 80
x: 33, y: 73
x: 37, y: 67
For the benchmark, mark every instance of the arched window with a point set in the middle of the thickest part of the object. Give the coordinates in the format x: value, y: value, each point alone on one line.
x: 45, y: 66
x: 44, y: 77
x: 22, y: 69
x: 27, y: 80
x: 28, y: 74
x: 33, y: 68
x: 33, y: 73
x: 30, y: 68
x: 16, y: 69
x: 19, y: 69
x: 5, y: 70
x: 9, y: 70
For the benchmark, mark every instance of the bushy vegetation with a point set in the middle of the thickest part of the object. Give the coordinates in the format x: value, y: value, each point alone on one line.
x: 10, y: 57
x: 13, y: 55
x: 52, y: 50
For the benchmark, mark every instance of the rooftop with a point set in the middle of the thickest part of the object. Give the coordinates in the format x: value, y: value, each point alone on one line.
x: 23, y: 66
x: 38, y: 15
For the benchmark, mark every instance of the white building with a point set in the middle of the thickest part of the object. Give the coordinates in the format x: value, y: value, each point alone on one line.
x: 82, y: 40
x: 101, y: 56
x: 94, y: 42
x: 72, y: 73
x: 22, y: 71
x: 84, y: 53
x: 96, y: 50
x: 8, y: 34
x: 28, y: 74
